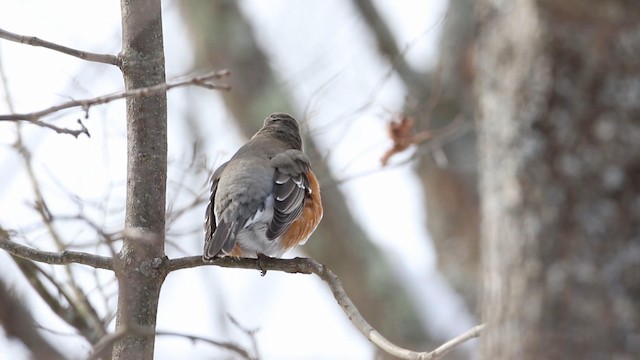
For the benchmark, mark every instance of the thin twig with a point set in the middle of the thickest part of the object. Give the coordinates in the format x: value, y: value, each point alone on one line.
x: 54, y: 258
x: 85, y: 104
x: 84, y: 55
x: 310, y: 266
x: 100, y: 349
x: 251, y: 334
x: 60, y: 130
x: 223, y: 344
x: 80, y: 313
x: 443, y: 349
x: 104, y: 346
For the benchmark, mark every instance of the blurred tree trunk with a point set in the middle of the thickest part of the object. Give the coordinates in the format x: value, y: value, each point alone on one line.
x: 451, y: 190
x: 435, y: 99
x: 559, y: 99
x: 140, y: 258
x: 223, y: 39
x: 17, y: 322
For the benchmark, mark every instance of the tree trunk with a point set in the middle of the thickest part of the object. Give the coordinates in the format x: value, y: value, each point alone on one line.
x: 139, y: 274
x: 559, y: 99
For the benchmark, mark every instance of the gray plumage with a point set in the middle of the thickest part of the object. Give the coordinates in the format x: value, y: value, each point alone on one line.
x: 259, y: 192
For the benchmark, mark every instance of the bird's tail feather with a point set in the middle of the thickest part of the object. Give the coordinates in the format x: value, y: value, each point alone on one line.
x: 222, y: 238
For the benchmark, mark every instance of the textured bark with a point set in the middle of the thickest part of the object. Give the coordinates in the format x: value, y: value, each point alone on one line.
x: 224, y: 39
x: 138, y: 273
x: 559, y: 100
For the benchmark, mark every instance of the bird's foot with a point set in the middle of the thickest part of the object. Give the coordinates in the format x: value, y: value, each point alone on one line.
x: 261, y: 258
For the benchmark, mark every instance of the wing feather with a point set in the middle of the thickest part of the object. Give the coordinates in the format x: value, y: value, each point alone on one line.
x: 214, y: 240
x: 290, y: 190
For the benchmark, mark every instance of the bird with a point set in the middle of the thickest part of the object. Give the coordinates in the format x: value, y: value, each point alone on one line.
x: 266, y: 199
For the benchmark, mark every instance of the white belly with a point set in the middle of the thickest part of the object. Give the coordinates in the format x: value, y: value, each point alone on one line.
x: 252, y: 238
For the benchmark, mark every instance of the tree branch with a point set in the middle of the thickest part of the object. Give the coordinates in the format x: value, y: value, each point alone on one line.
x: 310, y: 266
x: 54, y: 258
x: 293, y: 266
x: 84, y: 55
x: 75, y: 311
x: 85, y: 104
x: 387, y: 44
x: 443, y: 349
x: 102, y: 347
x: 223, y: 344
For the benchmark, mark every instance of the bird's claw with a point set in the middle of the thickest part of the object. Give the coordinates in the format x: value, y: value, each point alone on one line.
x: 261, y: 258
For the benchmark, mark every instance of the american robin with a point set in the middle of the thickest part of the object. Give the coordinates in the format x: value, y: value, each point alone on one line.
x: 265, y: 200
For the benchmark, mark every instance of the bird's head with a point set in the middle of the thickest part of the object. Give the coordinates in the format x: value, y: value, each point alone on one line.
x: 283, y: 127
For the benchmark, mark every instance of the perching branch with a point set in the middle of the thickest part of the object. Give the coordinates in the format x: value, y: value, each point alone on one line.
x: 85, y: 104
x: 294, y: 266
x: 84, y: 55
x: 54, y: 258
x: 310, y: 266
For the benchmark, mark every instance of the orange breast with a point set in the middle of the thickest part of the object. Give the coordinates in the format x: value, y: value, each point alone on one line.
x: 311, y: 215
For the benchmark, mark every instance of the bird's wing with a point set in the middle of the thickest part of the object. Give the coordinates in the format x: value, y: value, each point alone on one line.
x: 290, y: 190
x: 212, y: 248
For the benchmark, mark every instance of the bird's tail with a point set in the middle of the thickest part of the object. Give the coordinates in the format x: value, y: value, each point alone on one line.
x: 222, y: 240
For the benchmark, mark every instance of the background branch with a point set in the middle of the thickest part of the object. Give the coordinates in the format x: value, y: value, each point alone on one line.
x: 70, y: 306
x: 85, y: 104
x: 18, y: 323
x: 101, y: 348
x: 435, y: 99
x: 441, y: 351
x: 84, y: 55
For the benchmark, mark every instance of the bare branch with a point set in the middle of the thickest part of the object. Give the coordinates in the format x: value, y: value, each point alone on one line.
x: 223, y: 344
x: 296, y: 265
x: 54, y: 258
x: 84, y: 55
x: 61, y: 130
x: 441, y: 351
x: 85, y: 104
x: 78, y: 313
x: 387, y: 45
x: 100, y: 349
x: 251, y: 334
x: 293, y: 266
x: 310, y: 266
